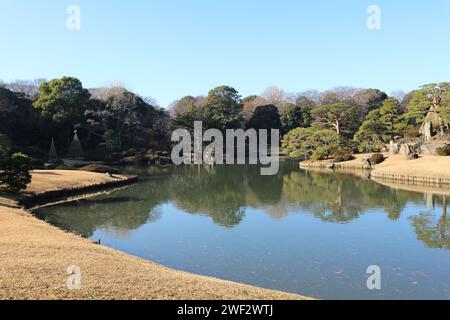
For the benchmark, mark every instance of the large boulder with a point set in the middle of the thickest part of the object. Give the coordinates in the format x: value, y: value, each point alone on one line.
x: 366, y: 164
x: 405, y: 149
x: 430, y: 148
x: 408, y: 148
x: 393, y: 147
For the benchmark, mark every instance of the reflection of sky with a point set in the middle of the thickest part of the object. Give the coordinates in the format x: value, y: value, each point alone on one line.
x: 298, y: 253
x: 304, y: 232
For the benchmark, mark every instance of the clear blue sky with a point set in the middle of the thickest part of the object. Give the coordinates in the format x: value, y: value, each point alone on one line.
x: 170, y: 48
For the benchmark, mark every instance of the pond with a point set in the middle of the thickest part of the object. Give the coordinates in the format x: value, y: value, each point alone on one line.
x: 304, y: 232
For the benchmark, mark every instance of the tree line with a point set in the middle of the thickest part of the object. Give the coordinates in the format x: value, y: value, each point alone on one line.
x: 318, y: 124
x: 114, y: 122
x: 108, y: 121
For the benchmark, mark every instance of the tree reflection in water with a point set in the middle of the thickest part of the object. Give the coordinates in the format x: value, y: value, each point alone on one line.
x: 225, y: 192
x: 433, y: 230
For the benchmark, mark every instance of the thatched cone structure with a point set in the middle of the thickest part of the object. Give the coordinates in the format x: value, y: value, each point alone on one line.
x: 75, y: 150
x: 52, y: 154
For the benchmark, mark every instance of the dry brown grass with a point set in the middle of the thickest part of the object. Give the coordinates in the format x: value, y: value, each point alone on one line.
x: 425, y: 166
x: 47, y: 180
x: 35, y: 257
x: 396, y: 165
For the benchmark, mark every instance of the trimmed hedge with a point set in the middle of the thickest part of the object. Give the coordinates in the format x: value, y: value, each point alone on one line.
x: 376, y: 158
x: 344, y: 158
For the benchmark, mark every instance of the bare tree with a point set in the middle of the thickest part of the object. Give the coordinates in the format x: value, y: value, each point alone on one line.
x: 151, y: 101
x: 336, y: 95
x: 399, y: 95
x: 367, y: 100
x: 104, y: 93
x: 182, y: 105
x: 250, y: 105
x: 29, y: 88
x: 311, y: 94
x: 276, y: 96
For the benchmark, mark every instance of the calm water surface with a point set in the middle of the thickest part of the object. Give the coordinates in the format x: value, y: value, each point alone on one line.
x: 304, y: 232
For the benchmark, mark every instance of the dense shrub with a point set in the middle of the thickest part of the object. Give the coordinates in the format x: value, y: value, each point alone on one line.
x: 343, y: 158
x: 339, y: 158
x: 349, y: 157
x: 16, y: 174
x: 376, y: 158
x: 321, y: 153
x: 443, y: 151
x: 307, y: 140
x: 100, y: 169
x: 340, y: 155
